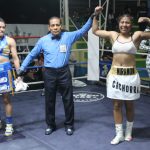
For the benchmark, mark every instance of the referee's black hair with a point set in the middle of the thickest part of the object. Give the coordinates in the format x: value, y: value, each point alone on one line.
x: 54, y: 17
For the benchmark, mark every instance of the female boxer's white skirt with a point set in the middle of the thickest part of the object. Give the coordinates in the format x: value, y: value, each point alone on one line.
x: 124, y: 86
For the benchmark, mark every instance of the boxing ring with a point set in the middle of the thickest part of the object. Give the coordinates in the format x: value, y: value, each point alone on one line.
x: 93, y: 113
x: 94, y: 124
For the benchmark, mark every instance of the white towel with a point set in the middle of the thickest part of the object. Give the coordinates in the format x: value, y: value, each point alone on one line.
x: 20, y: 85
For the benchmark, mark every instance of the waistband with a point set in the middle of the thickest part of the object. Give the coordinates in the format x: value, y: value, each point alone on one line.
x: 123, y: 70
x: 57, y: 69
x: 4, y: 55
x: 5, y: 66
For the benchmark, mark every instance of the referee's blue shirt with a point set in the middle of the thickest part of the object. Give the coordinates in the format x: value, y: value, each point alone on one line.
x: 56, y: 52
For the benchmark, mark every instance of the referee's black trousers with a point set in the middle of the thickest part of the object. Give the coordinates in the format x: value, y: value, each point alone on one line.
x: 58, y: 80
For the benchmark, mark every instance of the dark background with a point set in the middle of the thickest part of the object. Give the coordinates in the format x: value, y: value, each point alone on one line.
x: 28, y: 11
x: 39, y: 11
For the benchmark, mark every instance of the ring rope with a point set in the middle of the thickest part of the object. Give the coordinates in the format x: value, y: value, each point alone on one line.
x: 25, y: 37
x: 35, y: 67
x: 83, y: 77
x: 74, y: 50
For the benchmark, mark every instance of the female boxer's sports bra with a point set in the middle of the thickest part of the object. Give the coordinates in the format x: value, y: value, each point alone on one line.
x: 4, y: 47
x: 126, y: 47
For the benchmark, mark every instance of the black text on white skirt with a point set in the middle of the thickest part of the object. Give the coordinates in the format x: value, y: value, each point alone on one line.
x: 125, y: 87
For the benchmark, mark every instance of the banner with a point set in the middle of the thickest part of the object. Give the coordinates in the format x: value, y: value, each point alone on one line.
x: 93, y: 56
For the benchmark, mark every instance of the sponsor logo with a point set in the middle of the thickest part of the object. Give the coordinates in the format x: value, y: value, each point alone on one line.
x: 83, y: 96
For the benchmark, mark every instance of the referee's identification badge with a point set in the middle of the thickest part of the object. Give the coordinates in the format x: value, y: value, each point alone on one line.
x: 63, y: 48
